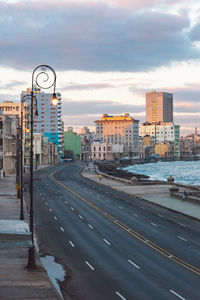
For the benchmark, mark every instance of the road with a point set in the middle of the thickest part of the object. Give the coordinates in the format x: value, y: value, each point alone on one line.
x: 112, y: 245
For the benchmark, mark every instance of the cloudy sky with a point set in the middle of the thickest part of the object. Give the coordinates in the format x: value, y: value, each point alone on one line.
x: 107, y: 54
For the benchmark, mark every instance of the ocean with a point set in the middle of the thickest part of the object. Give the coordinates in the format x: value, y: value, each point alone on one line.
x: 186, y: 172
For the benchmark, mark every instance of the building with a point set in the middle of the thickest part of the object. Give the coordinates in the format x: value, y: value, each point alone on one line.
x: 163, y: 133
x: 49, y: 119
x: 159, y: 107
x: 9, y: 144
x: 119, y: 130
x: 105, y: 151
x: 72, y: 145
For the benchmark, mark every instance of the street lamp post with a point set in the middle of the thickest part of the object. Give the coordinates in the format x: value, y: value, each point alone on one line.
x: 43, y: 77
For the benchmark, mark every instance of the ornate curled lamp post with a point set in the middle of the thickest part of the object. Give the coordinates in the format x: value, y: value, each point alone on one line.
x: 43, y: 77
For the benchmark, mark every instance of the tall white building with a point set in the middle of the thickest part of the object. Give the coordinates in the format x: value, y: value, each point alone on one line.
x: 49, y: 120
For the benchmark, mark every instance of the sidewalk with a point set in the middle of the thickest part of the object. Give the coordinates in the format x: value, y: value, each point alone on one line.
x: 16, y: 281
x: 158, y: 194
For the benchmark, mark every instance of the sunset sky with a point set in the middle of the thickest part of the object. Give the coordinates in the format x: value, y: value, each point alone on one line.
x: 107, y: 54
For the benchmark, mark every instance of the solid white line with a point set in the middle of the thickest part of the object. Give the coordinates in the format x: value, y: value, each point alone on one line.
x: 72, y: 208
x: 55, y: 218
x: 154, y: 224
x: 182, y: 238
x: 71, y: 244
x: 106, y: 241
x: 177, y: 294
x: 90, y: 226
x: 182, y: 224
x: 89, y: 265
x: 132, y: 263
x: 161, y: 216
x: 61, y: 228
x: 135, y: 215
x: 80, y: 216
x: 120, y: 296
x: 50, y: 209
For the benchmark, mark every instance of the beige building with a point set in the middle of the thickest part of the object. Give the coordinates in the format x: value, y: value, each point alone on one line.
x: 119, y: 130
x: 159, y: 107
x: 105, y: 151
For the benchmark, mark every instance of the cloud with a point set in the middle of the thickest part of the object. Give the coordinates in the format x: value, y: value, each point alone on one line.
x: 12, y: 84
x: 89, y: 86
x: 87, y: 108
x: 91, y: 36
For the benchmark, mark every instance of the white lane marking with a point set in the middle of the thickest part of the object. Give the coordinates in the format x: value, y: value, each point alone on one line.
x: 80, y: 217
x: 182, y: 238
x: 154, y: 224
x: 90, y: 226
x: 170, y: 256
x: 120, y: 296
x: 61, y: 228
x: 72, y: 208
x: 120, y: 207
x: 46, y: 203
x: 107, y: 201
x: 50, y: 209
x: 65, y: 202
x: 180, y: 297
x: 106, y: 241
x: 142, y: 207
x: 160, y: 216
x: 71, y: 244
x: 89, y: 265
x: 132, y: 263
x: 181, y: 224
x: 60, y: 197
x: 135, y: 215
x: 40, y: 194
x: 55, y: 218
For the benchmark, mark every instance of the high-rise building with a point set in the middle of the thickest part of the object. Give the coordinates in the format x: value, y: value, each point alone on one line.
x: 49, y: 119
x: 122, y: 130
x: 159, y: 107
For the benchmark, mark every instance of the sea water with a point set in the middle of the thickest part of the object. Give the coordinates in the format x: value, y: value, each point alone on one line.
x: 186, y: 172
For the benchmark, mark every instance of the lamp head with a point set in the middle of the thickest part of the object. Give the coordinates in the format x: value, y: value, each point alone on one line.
x: 54, y: 99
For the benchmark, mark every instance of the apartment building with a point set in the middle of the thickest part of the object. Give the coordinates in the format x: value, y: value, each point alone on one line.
x: 105, y: 151
x: 162, y: 133
x: 119, y: 130
x: 49, y: 119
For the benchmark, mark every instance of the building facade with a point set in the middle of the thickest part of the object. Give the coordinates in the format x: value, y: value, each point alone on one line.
x: 49, y: 119
x: 159, y: 107
x: 119, y: 130
x: 105, y: 151
x: 163, y: 133
x: 72, y: 145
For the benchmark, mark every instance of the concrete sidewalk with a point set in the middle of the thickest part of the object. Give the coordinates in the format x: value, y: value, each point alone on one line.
x: 158, y: 194
x: 16, y: 281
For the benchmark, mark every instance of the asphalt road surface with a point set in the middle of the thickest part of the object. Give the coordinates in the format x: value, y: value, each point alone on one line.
x: 111, y: 245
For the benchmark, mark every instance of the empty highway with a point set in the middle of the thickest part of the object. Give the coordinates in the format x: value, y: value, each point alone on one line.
x: 111, y: 245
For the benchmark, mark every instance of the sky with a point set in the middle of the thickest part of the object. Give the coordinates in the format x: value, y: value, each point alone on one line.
x: 106, y: 53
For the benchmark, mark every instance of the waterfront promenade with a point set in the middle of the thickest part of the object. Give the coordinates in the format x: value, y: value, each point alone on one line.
x: 158, y: 194
x: 16, y: 281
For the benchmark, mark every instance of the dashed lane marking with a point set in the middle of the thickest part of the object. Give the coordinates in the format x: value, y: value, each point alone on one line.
x: 61, y: 228
x: 90, y: 226
x: 80, y: 217
x: 55, y: 218
x: 135, y: 215
x: 180, y: 237
x: 71, y: 244
x: 176, y: 294
x: 106, y: 242
x: 89, y: 265
x: 120, y: 295
x: 132, y: 263
x: 154, y: 224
